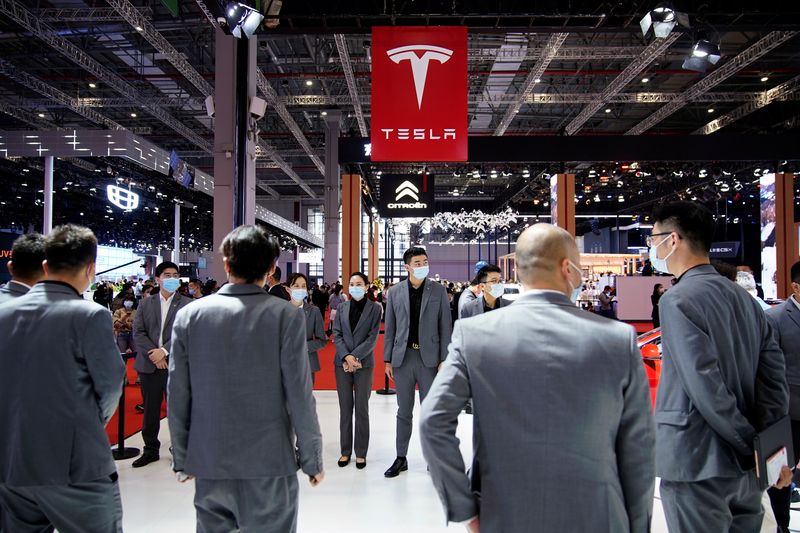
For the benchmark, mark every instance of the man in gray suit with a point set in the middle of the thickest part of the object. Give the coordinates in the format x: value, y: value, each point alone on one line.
x: 152, y: 334
x: 241, y: 412
x: 559, y: 419
x: 418, y: 325
x: 25, y: 266
x: 785, y: 321
x: 723, y: 379
x: 60, y: 380
x: 492, y: 289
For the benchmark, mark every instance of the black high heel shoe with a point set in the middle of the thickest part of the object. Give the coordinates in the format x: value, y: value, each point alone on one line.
x: 344, y: 463
x: 361, y: 465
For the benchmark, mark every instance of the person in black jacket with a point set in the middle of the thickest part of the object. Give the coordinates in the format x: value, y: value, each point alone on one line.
x: 274, y: 286
x: 658, y: 291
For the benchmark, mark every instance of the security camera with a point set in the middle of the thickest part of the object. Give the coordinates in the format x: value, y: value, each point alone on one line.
x: 210, y: 106
x: 257, y: 107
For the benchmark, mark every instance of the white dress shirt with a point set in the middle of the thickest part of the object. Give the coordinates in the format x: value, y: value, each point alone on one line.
x: 794, y: 301
x: 165, y: 303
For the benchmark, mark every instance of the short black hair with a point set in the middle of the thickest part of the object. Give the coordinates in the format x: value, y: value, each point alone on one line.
x: 725, y: 270
x: 165, y: 265
x: 294, y: 277
x: 412, y: 252
x: 251, y: 252
x: 795, y: 272
x: 196, y: 281
x: 277, y: 274
x: 483, y: 273
x: 27, y: 254
x: 69, y: 248
x: 692, y: 221
x: 360, y: 275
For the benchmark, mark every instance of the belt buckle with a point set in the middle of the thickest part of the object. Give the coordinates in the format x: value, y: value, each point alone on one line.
x: 414, y: 346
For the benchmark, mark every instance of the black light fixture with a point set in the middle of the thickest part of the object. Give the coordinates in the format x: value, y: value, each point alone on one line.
x: 662, y: 20
x: 704, y: 53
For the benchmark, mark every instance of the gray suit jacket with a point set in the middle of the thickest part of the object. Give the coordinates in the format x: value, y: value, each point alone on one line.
x: 315, y: 334
x: 467, y: 296
x: 785, y: 321
x: 361, y: 342
x: 475, y: 307
x: 435, y: 324
x: 558, y: 418
x: 60, y: 380
x: 240, y: 388
x: 12, y: 290
x: 723, y: 378
x: 147, y: 328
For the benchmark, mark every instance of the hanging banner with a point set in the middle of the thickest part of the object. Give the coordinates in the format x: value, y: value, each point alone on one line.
x: 419, y: 93
x: 407, y: 195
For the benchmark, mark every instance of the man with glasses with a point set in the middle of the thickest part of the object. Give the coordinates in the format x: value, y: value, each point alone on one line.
x: 492, y: 289
x: 152, y: 333
x: 722, y: 380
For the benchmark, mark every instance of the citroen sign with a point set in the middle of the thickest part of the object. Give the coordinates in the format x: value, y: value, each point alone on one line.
x: 122, y: 198
x: 406, y: 195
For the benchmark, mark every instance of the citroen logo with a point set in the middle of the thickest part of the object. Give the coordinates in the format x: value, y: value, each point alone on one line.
x: 419, y: 63
x: 122, y: 198
x: 406, y: 189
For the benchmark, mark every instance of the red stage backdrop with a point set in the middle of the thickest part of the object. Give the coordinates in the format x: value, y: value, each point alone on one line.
x: 419, y: 93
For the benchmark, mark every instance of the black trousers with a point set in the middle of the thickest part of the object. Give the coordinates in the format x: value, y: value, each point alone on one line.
x: 154, y: 391
x: 782, y: 499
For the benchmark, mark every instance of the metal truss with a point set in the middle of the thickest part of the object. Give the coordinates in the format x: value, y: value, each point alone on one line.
x: 781, y: 92
x: 48, y: 34
x: 654, y: 50
x: 35, y: 84
x: 769, y: 42
x: 548, y: 52
x: 142, y: 24
x: 272, y: 192
x: 269, y: 151
x: 84, y: 14
x: 344, y: 56
x: 25, y: 116
x: 272, y: 99
x: 565, y: 53
x: 207, y: 12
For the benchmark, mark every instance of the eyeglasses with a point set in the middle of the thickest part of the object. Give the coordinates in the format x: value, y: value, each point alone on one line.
x: 649, y: 240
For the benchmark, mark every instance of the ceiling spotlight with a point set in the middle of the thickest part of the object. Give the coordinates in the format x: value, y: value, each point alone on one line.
x: 40, y: 115
x: 133, y: 115
x: 242, y: 20
x: 324, y: 113
x: 645, y: 80
x: 660, y: 21
x: 704, y: 53
x: 710, y: 109
x: 139, y: 28
x: 537, y: 80
x: 93, y: 86
x: 765, y: 78
x: 621, y: 199
x: 608, y: 110
x: 309, y: 83
x: 526, y: 173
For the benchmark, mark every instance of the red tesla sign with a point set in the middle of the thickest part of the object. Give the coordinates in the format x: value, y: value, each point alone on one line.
x: 419, y: 93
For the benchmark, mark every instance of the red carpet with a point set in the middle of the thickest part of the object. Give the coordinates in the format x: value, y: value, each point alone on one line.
x: 133, y: 420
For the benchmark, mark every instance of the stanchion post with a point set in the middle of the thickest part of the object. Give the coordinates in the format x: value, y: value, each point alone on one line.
x: 121, y: 452
x: 386, y: 391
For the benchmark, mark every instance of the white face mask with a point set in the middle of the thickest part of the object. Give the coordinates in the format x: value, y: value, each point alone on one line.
x: 497, y: 290
x: 660, y: 264
x: 576, y: 291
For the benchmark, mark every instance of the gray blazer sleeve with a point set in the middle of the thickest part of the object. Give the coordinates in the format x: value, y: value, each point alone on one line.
x: 470, y: 309
x: 367, y: 346
x: 636, y: 444
x: 321, y: 339
x: 103, y: 362
x: 338, y: 337
x: 389, y: 328
x: 179, y: 394
x: 438, y: 422
x: 141, y: 338
x: 296, y: 377
x: 696, y: 362
x: 771, y: 385
x: 445, y: 324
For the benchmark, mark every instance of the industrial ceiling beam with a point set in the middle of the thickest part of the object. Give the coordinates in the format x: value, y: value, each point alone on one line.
x: 764, y: 45
x: 270, y: 152
x: 781, y: 92
x: 17, y: 12
x: 344, y: 56
x: 548, y: 53
x: 654, y: 50
x: 84, y: 14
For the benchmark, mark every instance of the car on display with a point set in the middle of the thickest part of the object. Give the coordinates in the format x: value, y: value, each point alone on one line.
x: 512, y: 291
x: 650, y: 345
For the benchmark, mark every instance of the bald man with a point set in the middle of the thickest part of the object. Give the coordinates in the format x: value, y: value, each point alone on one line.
x: 562, y: 413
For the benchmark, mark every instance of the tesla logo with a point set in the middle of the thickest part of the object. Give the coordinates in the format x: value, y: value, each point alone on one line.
x: 420, y: 63
x: 122, y: 198
x: 406, y: 189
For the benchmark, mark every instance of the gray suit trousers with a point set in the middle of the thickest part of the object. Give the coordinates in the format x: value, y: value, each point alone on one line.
x: 354, y: 389
x: 407, y: 376
x: 716, y: 505
x: 93, y: 506
x: 262, y: 505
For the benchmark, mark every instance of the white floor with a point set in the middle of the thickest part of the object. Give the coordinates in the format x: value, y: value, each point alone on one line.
x: 349, y: 500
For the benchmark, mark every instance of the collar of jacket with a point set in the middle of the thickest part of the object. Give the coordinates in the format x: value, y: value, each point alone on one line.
x: 55, y: 286
x: 547, y: 297
x: 698, y: 270
x: 240, y: 289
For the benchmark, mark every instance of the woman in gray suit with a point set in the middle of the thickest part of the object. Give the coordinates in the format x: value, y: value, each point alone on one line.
x: 315, y: 328
x: 355, y: 333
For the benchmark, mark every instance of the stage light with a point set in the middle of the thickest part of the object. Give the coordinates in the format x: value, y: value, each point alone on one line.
x: 704, y: 53
x: 243, y: 21
x: 661, y: 21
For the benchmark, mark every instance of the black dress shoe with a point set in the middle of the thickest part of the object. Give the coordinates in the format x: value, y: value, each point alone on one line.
x: 400, y: 465
x: 361, y: 465
x: 342, y: 464
x: 140, y: 408
x: 145, y: 460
